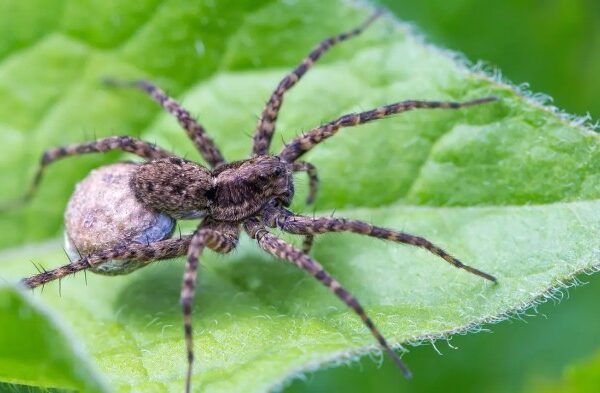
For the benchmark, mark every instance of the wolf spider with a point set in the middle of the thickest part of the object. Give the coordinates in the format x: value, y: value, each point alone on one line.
x: 252, y: 194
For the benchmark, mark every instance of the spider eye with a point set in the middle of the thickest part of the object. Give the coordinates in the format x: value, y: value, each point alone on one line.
x: 262, y: 180
x: 278, y: 171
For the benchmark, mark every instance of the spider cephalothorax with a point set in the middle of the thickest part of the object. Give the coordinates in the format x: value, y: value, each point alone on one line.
x: 251, y: 194
x: 242, y: 188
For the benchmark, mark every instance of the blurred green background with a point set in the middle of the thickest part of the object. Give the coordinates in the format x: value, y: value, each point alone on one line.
x: 554, y: 45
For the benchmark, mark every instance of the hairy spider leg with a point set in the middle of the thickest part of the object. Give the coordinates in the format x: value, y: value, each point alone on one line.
x: 300, y: 145
x: 266, y: 123
x: 280, y: 249
x: 195, y: 131
x: 141, y: 253
x: 307, y: 243
x: 302, y: 225
x: 221, y: 242
x: 125, y: 143
x: 313, y: 189
x: 313, y: 178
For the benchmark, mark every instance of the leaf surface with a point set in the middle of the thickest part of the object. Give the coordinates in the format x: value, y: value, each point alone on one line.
x: 511, y: 187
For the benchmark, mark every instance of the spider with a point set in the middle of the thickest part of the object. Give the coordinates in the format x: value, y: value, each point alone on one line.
x: 252, y: 194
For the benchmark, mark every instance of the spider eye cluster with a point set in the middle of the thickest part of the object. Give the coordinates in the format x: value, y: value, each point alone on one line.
x: 267, y: 173
x: 103, y: 212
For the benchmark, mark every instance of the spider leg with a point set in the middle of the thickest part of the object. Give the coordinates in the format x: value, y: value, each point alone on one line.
x: 311, y: 171
x: 140, y: 253
x: 266, y: 124
x: 280, y: 249
x: 222, y: 242
x: 306, y: 142
x: 302, y: 225
x: 307, y: 243
x: 125, y: 143
x: 203, y: 142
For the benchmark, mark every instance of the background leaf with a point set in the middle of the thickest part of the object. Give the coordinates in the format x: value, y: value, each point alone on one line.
x: 510, y: 187
x: 46, y: 357
x: 581, y: 377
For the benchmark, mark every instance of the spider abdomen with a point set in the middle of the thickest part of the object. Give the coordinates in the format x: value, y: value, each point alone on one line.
x: 180, y: 188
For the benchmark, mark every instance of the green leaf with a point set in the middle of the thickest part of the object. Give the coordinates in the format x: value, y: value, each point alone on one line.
x: 34, y: 348
x: 511, y: 187
x: 506, y: 357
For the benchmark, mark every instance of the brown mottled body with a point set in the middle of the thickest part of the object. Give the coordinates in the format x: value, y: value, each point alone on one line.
x: 242, y: 188
x: 252, y: 193
x: 232, y: 192
x: 175, y: 186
